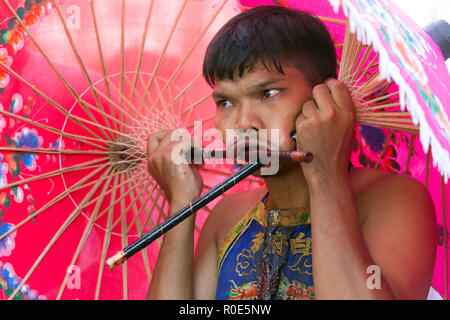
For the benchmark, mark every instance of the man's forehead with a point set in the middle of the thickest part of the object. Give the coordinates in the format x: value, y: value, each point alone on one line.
x: 255, y: 79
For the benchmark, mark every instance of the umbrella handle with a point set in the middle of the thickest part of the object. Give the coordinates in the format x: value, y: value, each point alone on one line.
x: 122, y: 255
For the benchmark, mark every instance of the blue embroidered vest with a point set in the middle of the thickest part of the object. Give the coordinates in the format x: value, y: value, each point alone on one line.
x: 267, y: 255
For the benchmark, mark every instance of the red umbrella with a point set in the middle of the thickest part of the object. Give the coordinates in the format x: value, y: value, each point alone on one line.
x: 81, y: 88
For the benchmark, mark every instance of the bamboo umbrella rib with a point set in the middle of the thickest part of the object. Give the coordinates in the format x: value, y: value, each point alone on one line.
x: 163, y: 102
x: 134, y: 92
x: 149, y: 196
x: 191, y: 108
x: 397, y: 127
x: 354, y: 60
x: 106, y: 193
x: 102, y: 60
x: 352, y: 55
x: 56, y: 199
x: 122, y: 61
x: 379, y: 98
x: 140, y: 230
x: 162, y: 215
x: 156, y: 114
x: 387, y: 120
x: 133, y: 203
x: 384, y: 90
x: 361, y: 64
x: 141, y: 99
x: 149, y: 97
x: 158, y: 64
x: 361, y: 92
x: 187, y: 88
x: 76, y: 137
x: 149, y: 212
x: 196, y: 104
x: 76, y: 119
x: 356, y: 48
x: 103, y: 113
x: 141, y: 51
x: 173, y: 125
x: 410, y: 152
x: 124, y: 241
x: 343, y: 69
x: 380, y: 106
x: 181, y: 65
x: 61, y: 230
x: 78, y: 57
x: 113, y: 204
x: 371, y: 65
x: 83, y: 166
x: 49, y: 100
x: 106, y: 241
x: 124, y: 212
x: 87, y: 231
x: 117, y: 106
x: 55, y: 151
x: 154, y: 205
x: 369, y: 89
x: 172, y: 105
x: 384, y: 114
x: 165, y: 107
x: 52, y: 66
x: 386, y: 144
x: 77, y: 186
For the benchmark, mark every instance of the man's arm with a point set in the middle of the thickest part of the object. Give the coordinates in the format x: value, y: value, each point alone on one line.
x: 177, y: 274
x: 398, y: 237
x: 401, y: 235
x: 172, y: 277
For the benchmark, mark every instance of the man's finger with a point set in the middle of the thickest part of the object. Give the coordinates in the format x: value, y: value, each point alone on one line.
x: 323, y: 98
x: 340, y: 93
x: 309, y: 109
x: 154, y: 139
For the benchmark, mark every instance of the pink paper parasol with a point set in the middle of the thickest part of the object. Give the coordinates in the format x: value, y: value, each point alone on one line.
x: 82, y: 85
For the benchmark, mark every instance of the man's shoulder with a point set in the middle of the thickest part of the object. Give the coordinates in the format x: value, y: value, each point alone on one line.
x: 381, y: 193
x: 230, y: 209
x: 375, y: 181
x: 378, y: 181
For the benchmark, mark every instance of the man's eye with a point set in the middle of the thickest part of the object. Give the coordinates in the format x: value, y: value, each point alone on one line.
x: 269, y: 93
x: 224, y: 104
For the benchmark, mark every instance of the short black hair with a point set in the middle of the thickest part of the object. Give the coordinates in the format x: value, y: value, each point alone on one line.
x: 271, y: 35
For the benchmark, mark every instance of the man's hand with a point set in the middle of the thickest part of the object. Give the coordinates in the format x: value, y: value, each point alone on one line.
x: 181, y: 183
x: 326, y: 128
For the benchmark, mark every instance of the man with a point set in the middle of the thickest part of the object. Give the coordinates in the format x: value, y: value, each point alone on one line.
x: 274, y: 68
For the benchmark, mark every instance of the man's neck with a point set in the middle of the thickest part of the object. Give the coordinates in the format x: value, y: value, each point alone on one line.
x: 288, y: 189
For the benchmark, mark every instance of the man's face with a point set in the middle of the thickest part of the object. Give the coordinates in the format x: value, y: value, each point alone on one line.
x: 262, y: 99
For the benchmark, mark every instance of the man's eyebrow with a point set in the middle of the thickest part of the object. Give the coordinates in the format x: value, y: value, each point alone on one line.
x: 264, y: 84
x: 219, y: 95
x: 255, y: 88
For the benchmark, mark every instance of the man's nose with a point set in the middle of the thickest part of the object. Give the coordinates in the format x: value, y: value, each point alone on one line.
x: 247, y: 118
